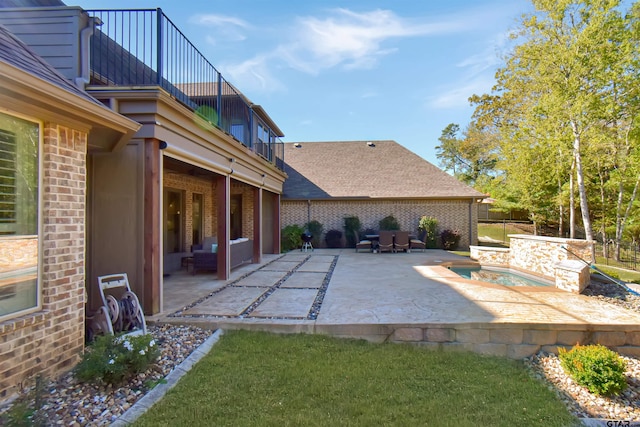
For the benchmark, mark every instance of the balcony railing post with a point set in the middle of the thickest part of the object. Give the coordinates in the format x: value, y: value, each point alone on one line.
x: 219, y: 102
x: 159, y: 46
x: 251, y: 137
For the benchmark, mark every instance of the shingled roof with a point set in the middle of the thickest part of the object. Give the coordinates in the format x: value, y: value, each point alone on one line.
x: 365, y: 170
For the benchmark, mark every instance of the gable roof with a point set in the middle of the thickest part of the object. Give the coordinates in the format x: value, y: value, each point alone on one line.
x: 365, y: 170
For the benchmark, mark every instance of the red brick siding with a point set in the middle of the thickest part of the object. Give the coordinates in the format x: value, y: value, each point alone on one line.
x: 50, y: 341
x: 451, y: 214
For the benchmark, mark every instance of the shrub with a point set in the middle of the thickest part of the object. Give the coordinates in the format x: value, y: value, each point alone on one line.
x: 111, y: 359
x: 595, y: 367
x: 450, y: 239
x: 428, y: 226
x: 315, y: 228
x: 291, y: 237
x: 351, y: 224
x: 389, y: 223
x: 333, y: 239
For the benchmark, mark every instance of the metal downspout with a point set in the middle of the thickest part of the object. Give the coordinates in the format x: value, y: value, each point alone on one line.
x: 85, y: 51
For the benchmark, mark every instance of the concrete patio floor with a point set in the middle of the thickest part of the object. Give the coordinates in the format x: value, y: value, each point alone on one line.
x: 403, y: 297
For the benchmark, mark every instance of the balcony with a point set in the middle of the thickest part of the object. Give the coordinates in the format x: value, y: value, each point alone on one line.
x: 142, y: 47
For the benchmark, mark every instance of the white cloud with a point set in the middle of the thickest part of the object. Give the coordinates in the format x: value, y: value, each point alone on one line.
x: 222, y: 27
x: 349, y: 39
x: 252, y: 75
x: 458, y: 96
x: 339, y: 39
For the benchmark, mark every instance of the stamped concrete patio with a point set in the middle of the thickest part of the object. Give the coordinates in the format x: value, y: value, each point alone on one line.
x: 404, y: 297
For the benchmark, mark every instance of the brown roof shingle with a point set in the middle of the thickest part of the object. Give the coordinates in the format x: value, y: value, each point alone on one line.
x: 365, y: 169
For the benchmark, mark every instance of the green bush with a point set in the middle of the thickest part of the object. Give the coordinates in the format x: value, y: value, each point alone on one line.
x: 428, y: 225
x: 291, y: 237
x: 389, y: 223
x: 333, y: 239
x: 112, y: 359
x: 595, y: 367
x: 450, y: 239
x: 351, y: 224
x: 315, y: 228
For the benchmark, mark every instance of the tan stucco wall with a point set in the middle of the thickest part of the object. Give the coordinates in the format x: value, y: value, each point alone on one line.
x: 451, y: 214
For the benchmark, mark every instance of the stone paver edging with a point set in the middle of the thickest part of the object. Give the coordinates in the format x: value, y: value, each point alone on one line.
x: 158, y: 392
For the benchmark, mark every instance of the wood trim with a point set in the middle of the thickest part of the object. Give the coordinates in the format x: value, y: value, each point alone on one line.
x: 151, y: 300
x: 223, y: 191
x: 277, y: 248
x: 257, y: 225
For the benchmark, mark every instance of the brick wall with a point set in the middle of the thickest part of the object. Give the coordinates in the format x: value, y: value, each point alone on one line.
x: 450, y: 214
x: 190, y: 185
x: 51, y: 340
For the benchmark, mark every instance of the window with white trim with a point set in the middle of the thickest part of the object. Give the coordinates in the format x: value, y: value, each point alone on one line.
x: 19, y: 213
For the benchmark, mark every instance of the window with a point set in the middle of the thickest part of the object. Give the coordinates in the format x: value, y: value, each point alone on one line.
x: 19, y: 203
x: 173, y: 224
x: 196, y: 220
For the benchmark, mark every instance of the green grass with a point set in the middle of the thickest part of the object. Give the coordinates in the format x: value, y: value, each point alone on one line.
x: 255, y: 378
x: 628, y: 276
x: 498, y: 231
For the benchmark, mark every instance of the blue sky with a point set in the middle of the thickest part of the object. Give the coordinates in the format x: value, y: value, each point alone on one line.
x: 351, y: 70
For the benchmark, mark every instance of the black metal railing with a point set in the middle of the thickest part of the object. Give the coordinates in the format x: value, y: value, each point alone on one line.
x: 142, y: 47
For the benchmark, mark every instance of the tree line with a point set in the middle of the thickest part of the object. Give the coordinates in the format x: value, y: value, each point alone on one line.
x: 559, y: 134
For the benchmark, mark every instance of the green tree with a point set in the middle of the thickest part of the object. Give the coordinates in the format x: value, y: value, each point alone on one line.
x: 472, y: 158
x: 568, y: 84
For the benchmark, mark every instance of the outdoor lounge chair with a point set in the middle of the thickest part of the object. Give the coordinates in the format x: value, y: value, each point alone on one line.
x: 417, y: 244
x: 386, y: 241
x: 362, y: 244
x: 401, y: 242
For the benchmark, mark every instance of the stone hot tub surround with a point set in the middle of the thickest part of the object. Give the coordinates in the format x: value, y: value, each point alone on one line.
x: 542, y: 256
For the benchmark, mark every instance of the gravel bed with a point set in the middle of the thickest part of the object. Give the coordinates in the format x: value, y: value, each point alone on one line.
x: 69, y: 403
x: 578, y: 399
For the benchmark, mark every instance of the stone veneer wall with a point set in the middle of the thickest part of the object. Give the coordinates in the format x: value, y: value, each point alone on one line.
x: 451, y: 214
x: 539, y: 254
x: 50, y: 341
x: 496, y: 257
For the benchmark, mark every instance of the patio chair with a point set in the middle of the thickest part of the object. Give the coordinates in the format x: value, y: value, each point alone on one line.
x: 362, y: 244
x: 385, y: 242
x: 401, y: 242
x: 417, y: 244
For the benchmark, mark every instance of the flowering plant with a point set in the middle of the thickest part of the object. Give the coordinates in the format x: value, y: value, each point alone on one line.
x: 111, y: 359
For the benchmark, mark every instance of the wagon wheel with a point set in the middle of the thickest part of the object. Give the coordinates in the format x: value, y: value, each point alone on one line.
x: 134, y: 311
x: 114, y: 313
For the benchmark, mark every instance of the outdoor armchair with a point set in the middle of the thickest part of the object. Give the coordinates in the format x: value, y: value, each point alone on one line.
x: 401, y: 241
x: 362, y: 244
x: 417, y: 244
x: 386, y: 241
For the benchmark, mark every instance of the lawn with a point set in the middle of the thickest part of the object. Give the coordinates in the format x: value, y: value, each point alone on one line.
x: 498, y: 232
x: 256, y: 378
